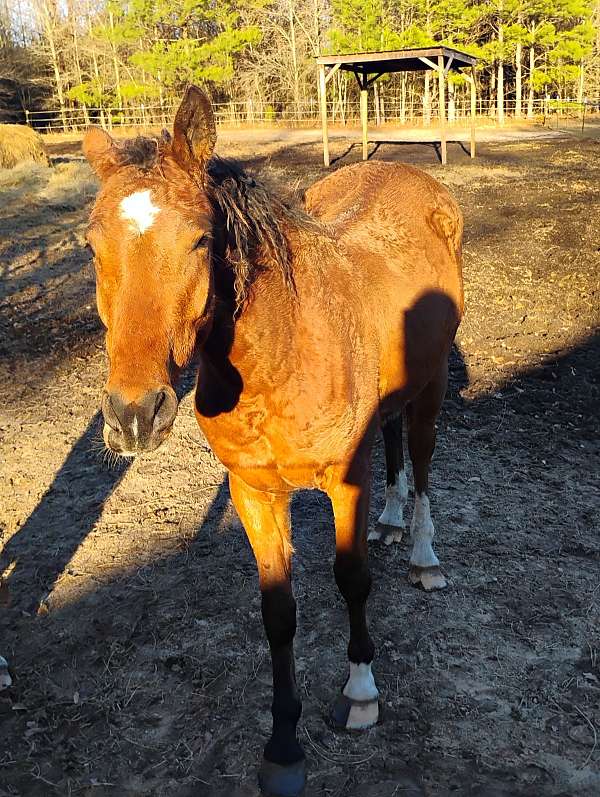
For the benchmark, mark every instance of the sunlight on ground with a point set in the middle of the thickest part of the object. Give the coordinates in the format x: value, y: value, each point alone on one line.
x: 521, y: 311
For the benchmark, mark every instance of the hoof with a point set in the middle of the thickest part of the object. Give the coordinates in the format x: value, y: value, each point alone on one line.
x: 386, y: 534
x: 279, y: 780
x: 430, y: 578
x: 355, y: 715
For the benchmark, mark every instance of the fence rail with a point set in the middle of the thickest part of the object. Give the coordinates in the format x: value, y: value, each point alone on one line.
x: 388, y: 110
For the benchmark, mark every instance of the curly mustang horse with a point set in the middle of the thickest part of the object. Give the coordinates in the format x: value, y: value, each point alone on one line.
x: 312, y: 328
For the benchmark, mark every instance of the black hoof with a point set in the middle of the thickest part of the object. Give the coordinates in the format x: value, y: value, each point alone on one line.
x: 277, y: 780
x: 354, y: 715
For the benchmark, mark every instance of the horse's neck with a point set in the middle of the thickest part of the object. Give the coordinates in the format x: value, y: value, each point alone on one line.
x: 244, y: 350
x: 266, y: 320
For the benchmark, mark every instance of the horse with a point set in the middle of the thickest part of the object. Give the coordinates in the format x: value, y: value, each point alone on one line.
x: 312, y: 329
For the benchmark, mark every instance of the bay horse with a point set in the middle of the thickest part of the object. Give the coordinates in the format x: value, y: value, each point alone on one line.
x: 312, y: 328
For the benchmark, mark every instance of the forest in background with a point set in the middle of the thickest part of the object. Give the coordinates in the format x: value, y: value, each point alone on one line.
x: 257, y: 56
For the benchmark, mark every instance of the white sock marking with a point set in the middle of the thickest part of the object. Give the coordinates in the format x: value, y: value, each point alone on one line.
x: 139, y: 211
x: 134, y: 427
x: 5, y: 679
x: 396, y: 496
x: 361, y: 684
x: 422, y: 531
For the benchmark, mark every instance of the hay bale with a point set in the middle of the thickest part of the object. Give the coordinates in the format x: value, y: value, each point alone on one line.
x: 20, y: 143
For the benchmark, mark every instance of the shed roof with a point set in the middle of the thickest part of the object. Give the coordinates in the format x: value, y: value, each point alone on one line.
x: 398, y: 60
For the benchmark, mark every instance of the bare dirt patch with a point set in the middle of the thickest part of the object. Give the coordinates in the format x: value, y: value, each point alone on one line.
x: 129, y: 608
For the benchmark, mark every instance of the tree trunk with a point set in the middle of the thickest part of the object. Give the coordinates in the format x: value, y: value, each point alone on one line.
x: 403, y: 102
x: 500, y: 91
x: 317, y: 24
x: 519, y: 80
x: 427, y: 100
x: 580, y: 85
x: 48, y: 27
x: 451, y: 103
x: 295, y: 74
x: 86, y: 117
x: 531, y: 68
x: 115, y: 60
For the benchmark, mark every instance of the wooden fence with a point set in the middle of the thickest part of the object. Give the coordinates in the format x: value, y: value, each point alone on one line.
x: 235, y: 114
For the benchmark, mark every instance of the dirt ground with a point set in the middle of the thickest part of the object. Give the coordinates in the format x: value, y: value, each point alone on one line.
x: 129, y: 608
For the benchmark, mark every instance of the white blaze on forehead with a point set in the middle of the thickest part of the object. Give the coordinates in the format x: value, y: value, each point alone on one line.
x: 139, y: 210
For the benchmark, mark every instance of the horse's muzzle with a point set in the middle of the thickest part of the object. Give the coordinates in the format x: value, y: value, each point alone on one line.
x: 131, y: 428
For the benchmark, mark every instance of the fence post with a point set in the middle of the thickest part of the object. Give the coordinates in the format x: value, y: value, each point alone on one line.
x: 27, y: 122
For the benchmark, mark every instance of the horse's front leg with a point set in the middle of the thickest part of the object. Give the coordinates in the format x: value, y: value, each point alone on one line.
x: 358, y: 705
x: 266, y: 518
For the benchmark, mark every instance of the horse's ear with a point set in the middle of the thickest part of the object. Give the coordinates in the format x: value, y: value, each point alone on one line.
x: 194, y: 132
x: 100, y: 151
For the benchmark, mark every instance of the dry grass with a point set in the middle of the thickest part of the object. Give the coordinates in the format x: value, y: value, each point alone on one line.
x: 20, y: 143
x: 67, y: 185
x: 70, y: 185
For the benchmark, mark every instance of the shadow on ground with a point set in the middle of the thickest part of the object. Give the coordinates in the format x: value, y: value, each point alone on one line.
x: 159, y: 678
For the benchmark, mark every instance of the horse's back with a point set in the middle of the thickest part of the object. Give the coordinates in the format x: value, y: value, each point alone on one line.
x: 402, y: 231
x: 381, y: 193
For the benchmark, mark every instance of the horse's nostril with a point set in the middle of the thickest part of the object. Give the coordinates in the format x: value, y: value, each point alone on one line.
x: 160, y: 399
x: 165, y: 409
x: 110, y: 409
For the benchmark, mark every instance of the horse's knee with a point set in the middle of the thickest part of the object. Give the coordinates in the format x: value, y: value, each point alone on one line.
x: 279, y: 616
x: 353, y: 577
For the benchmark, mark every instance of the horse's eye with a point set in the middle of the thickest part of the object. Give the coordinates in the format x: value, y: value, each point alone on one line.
x: 201, y: 242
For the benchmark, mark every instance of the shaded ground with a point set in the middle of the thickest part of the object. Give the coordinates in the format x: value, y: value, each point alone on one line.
x: 129, y: 609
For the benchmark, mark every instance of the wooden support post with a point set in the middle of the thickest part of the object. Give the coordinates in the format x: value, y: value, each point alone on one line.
x: 442, y: 107
x: 363, y: 115
x: 323, y: 102
x: 473, y: 110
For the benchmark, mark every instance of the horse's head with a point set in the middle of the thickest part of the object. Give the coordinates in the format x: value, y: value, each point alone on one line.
x: 151, y: 236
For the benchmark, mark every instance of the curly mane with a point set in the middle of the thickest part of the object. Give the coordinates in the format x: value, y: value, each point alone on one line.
x: 256, y: 222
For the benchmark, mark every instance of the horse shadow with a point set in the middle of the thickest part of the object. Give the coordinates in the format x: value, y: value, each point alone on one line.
x: 180, y: 602
x: 36, y: 556
x: 38, y: 553
x: 414, y: 145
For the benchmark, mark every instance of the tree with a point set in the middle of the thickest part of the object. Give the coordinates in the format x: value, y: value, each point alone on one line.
x: 126, y: 52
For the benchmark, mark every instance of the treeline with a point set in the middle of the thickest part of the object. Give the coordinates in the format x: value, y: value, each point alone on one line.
x: 93, y: 54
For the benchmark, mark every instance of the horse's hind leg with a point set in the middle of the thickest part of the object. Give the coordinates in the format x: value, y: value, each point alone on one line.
x: 391, y: 521
x: 266, y: 519
x: 422, y: 413
x: 357, y: 706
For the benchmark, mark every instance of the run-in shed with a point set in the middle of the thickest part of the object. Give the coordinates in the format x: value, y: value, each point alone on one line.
x: 367, y: 67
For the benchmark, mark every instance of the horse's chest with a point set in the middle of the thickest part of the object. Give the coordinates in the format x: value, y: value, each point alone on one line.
x: 275, y: 442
